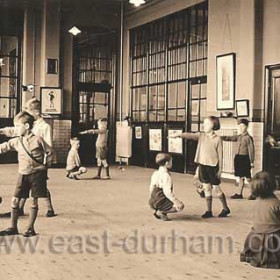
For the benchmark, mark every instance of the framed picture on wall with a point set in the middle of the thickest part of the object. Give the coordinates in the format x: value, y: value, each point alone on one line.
x: 242, y: 108
x: 225, y: 81
x: 51, y: 100
x: 155, y: 140
x: 175, y: 145
x: 138, y: 132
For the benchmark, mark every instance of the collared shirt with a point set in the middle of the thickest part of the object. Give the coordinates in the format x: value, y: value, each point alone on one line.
x: 244, y: 144
x: 266, y: 215
x: 43, y: 129
x: 36, y: 146
x: 102, y: 137
x: 73, y: 159
x: 162, y: 179
x: 209, y: 149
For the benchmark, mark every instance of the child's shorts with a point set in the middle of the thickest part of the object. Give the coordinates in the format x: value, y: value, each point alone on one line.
x: 242, y: 166
x: 159, y: 201
x: 36, y: 182
x: 209, y: 174
x: 101, y: 152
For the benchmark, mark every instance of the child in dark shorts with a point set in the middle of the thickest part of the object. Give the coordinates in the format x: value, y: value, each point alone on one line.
x: 262, y: 245
x: 162, y: 198
x: 34, y: 155
x: 244, y: 156
x: 209, y: 156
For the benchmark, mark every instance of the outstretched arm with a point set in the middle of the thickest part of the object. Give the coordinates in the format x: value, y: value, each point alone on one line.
x: 93, y: 131
x: 185, y: 135
x: 8, y: 131
x: 11, y: 145
x: 232, y: 138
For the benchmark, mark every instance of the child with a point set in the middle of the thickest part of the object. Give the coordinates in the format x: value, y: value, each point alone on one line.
x: 209, y: 155
x: 42, y: 129
x: 262, y: 245
x: 162, y: 198
x: 244, y: 156
x: 101, y: 147
x: 33, y: 158
x: 73, y: 166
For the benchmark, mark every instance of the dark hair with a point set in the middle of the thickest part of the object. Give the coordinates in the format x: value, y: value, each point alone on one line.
x: 103, y: 120
x: 163, y: 158
x: 25, y: 117
x: 263, y: 185
x: 216, y: 122
x: 243, y: 121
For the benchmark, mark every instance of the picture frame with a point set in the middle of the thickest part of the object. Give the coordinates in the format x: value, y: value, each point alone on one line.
x: 225, y: 81
x: 52, y: 66
x: 175, y: 145
x: 155, y: 140
x: 242, y: 108
x: 51, y: 100
x: 138, y: 132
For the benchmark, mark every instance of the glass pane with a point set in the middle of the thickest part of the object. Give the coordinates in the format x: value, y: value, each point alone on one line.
x: 181, y: 115
x: 172, y: 95
x: 152, y: 116
x: 182, y: 95
x: 203, y: 90
x: 200, y: 71
x: 143, y: 98
x: 7, y: 107
x: 153, y: 97
x: 161, y: 116
x: 143, y: 116
x: 195, y: 91
x: 161, y: 97
x: 9, y: 45
x: 193, y: 69
x: 8, y: 87
x: 203, y: 111
x: 172, y: 115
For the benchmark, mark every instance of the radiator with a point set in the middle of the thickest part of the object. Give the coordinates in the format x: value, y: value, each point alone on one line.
x: 228, y: 151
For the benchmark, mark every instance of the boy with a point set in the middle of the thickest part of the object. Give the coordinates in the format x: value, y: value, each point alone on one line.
x: 162, y: 198
x: 42, y: 129
x: 209, y: 157
x: 73, y: 166
x: 101, y: 147
x: 244, y: 156
x: 34, y: 155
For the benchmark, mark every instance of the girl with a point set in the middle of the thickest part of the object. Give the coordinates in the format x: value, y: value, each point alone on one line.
x: 209, y: 155
x: 262, y: 245
x: 162, y: 198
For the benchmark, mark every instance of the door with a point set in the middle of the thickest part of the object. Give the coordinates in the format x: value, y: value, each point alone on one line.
x: 272, y: 123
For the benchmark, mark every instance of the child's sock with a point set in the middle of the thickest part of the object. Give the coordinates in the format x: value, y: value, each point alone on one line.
x: 14, y: 217
x: 48, y: 201
x: 209, y: 200
x: 241, y: 186
x: 107, y: 171
x: 32, y: 217
x: 99, y: 171
x: 222, y: 198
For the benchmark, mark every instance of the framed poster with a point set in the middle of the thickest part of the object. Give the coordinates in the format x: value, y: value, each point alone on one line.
x: 52, y: 66
x: 175, y: 145
x: 242, y: 108
x: 155, y: 139
x: 138, y: 132
x: 51, y: 100
x: 225, y: 84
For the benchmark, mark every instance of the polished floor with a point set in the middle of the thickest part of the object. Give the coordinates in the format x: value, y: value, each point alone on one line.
x: 105, y: 230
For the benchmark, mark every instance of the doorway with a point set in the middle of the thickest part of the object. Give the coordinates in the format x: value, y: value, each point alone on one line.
x: 272, y: 121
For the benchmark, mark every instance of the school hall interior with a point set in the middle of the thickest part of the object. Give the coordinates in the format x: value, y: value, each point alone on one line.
x: 150, y: 67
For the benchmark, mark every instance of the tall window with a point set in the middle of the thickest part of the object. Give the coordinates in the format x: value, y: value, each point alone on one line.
x: 9, y: 76
x: 169, y: 68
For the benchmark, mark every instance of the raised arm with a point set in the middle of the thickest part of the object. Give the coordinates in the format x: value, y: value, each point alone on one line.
x: 11, y: 145
x: 232, y: 138
x: 8, y: 131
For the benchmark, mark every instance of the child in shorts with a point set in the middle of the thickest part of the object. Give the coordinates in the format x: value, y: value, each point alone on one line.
x: 73, y: 166
x: 244, y: 156
x: 209, y: 157
x: 101, y: 147
x: 34, y: 156
x: 162, y: 198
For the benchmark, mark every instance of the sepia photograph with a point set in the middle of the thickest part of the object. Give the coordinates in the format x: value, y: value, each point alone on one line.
x: 139, y: 139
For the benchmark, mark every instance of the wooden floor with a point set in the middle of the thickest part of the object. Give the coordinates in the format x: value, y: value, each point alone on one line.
x: 105, y: 230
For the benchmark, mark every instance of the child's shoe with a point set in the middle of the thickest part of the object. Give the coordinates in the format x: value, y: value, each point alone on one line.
x: 107, y: 178
x: 0, y: 199
x: 50, y: 214
x: 29, y: 232
x: 156, y: 215
x: 237, y: 196
x: 224, y: 213
x: 97, y: 177
x: 207, y: 214
x: 251, y: 197
x: 165, y: 218
x: 9, y: 231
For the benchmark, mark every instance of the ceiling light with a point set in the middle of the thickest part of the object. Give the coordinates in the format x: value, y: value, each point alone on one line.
x: 74, y: 31
x: 137, y: 3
